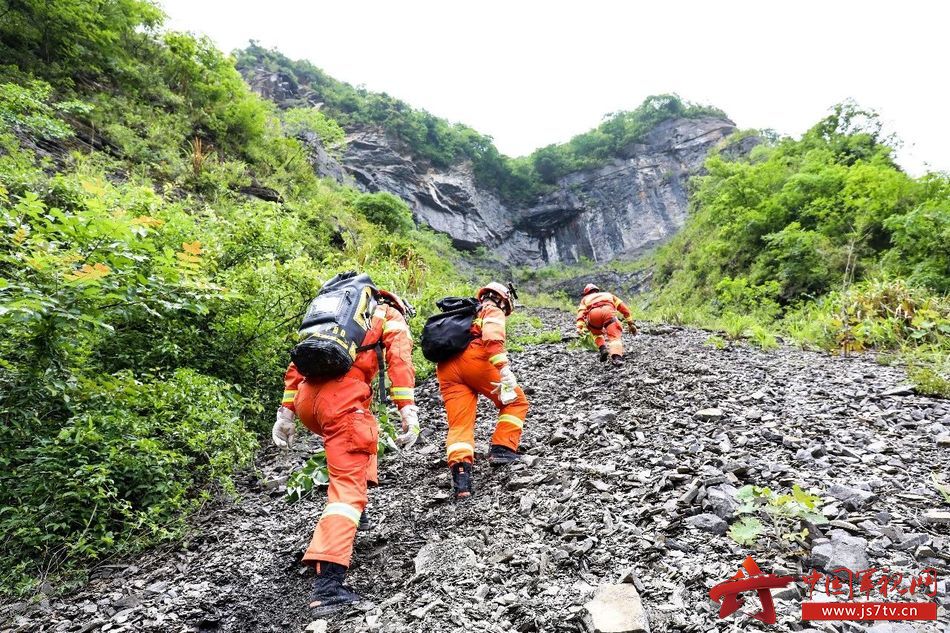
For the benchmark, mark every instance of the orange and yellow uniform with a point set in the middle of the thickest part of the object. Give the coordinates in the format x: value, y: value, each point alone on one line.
x: 463, y: 377
x: 598, y: 313
x: 339, y: 410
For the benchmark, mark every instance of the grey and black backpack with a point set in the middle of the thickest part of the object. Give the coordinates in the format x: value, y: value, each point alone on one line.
x: 335, y: 326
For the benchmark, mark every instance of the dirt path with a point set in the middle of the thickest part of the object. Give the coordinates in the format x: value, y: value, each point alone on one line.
x: 618, y: 463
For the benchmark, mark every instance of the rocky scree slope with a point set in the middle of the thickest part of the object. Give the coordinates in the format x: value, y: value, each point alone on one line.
x: 619, y: 210
x: 628, y: 476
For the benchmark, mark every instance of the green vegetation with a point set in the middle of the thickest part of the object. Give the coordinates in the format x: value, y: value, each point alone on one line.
x: 942, y: 488
x: 302, y: 121
x: 786, y: 514
x: 524, y: 330
x: 147, y: 304
x: 613, y: 136
x: 824, y: 239
x: 441, y: 143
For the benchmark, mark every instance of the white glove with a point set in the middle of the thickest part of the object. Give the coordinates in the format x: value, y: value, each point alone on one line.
x: 284, y: 428
x: 506, y: 388
x: 410, y: 426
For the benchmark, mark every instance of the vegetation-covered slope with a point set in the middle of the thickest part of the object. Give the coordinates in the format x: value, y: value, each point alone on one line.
x: 147, y: 304
x: 441, y: 143
x: 823, y: 237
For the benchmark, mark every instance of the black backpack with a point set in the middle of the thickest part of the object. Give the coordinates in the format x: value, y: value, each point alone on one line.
x: 335, y: 325
x: 448, y: 333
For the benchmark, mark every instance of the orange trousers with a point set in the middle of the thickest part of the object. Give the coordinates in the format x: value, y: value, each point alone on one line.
x: 339, y: 410
x: 461, y: 380
x: 602, y: 321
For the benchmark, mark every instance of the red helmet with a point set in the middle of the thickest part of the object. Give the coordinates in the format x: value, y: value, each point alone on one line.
x: 499, y: 289
x: 397, y: 302
x: 589, y: 288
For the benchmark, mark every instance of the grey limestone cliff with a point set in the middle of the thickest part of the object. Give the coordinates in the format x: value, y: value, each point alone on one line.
x: 616, y: 211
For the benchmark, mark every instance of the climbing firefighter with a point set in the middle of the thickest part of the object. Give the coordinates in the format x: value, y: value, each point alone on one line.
x: 482, y: 368
x: 597, y: 313
x: 338, y: 409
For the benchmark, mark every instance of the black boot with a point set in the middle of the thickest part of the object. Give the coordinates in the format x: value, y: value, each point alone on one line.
x: 365, y: 525
x: 329, y: 593
x: 617, y: 360
x: 462, y: 480
x: 502, y: 455
x: 603, y: 353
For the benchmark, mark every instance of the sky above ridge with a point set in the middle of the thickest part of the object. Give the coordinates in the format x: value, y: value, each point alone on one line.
x: 530, y: 73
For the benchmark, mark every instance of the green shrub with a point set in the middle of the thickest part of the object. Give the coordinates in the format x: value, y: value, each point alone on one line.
x: 928, y: 382
x: 299, y: 121
x: 386, y: 210
x: 29, y: 109
x: 130, y: 464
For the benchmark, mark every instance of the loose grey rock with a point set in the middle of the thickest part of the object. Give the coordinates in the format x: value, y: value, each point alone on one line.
x: 892, y: 627
x: 708, y: 523
x: 852, y: 498
x: 602, y: 415
x: 709, y: 414
x: 533, y: 571
x: 843, y: 550
x: 721, y: 499
x: 900, y: 390
x: 936, y: 516
x: 443, y: 557
x: 616, y: 609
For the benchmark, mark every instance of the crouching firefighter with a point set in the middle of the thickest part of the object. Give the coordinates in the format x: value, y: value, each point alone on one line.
x: 467, y: 343
x: 349, y: 328
x: 597, y: 313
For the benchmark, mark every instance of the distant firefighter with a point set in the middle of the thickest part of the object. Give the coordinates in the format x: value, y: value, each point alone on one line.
x: 597, y: 313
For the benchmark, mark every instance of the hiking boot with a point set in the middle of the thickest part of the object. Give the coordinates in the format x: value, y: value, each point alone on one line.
x: 617, y: 360
x: 502, y: 455
x: 329, y: 594
x: 603, y: 353
x: 462, y: 480
x: 365, y: 525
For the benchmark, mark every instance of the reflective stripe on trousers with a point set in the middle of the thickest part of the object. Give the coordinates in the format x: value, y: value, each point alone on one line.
x: 461, y: 380
x: 338, y: 409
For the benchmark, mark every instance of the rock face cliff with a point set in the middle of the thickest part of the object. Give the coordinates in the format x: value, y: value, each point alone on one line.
x: 619, y: 210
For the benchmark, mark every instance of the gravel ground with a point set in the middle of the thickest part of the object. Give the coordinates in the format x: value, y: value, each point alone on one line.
x: 629, y: 476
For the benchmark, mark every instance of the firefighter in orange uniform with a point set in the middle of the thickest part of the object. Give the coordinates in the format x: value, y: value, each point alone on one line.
x: 597, y: 313
x: 338, y: 409
x: 482, y: 369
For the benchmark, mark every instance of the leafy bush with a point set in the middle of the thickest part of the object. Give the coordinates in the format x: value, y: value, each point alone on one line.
x: 28, y: 109
x: 301, y: 121
x: 928, y: 382
x: 386, y: 210
x: 129, y: 464
x: 823, y: 238
x: 809, y: 215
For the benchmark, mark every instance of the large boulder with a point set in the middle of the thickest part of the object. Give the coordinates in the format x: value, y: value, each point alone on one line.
x: 616, y: 609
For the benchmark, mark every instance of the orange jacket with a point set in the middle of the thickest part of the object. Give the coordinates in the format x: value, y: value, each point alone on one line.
x: 597, y: 299
x: 388, y: 324
x: 489, y: 328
